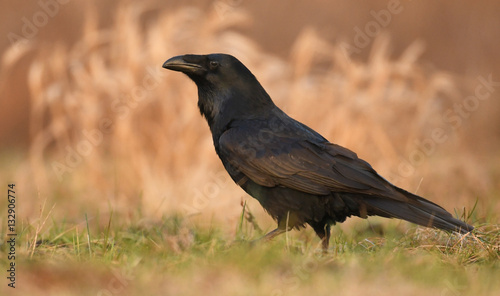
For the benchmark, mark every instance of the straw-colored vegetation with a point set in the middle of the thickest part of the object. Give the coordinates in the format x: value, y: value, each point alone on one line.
x: 122, y: 190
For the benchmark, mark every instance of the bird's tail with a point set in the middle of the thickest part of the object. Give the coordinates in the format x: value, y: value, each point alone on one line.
x: 416, y: 210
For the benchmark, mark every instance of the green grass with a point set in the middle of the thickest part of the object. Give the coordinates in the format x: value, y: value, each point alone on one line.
x: 176, y: 257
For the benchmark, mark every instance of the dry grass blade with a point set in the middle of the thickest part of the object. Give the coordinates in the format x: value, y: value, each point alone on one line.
x: 40, y: 225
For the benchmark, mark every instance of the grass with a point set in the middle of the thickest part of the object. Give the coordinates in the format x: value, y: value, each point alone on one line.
x: 174, y: 256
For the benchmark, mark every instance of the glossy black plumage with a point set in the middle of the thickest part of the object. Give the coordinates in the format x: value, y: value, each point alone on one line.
x: 295, y: 173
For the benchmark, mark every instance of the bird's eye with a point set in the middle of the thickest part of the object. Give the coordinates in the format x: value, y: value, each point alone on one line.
x: 214, y: 64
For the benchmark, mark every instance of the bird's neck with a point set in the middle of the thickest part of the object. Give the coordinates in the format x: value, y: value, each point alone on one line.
x: 232, y: 105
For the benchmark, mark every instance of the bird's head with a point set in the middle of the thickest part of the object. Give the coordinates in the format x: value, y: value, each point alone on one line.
x: 212, y: 70
x: 225, y: 85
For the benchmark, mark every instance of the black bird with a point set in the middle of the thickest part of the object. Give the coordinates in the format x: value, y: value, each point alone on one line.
x: 297, y: 175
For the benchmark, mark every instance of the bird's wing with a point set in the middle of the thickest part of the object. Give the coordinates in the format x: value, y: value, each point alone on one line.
x: 278, y: 159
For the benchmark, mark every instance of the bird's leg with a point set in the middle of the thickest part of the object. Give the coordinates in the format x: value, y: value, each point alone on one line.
x: 323, y: 232
x: 283, y: 224
x: 325, y: 240
x: 269, y: 236
x: 272, y: 234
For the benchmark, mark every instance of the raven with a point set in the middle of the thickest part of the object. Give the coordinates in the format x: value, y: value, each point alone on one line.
x: 297, y: 175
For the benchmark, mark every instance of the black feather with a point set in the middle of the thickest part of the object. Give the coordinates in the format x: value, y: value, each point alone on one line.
x: 295, y: 173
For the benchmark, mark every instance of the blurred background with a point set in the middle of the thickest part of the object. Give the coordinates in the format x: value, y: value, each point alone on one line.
x: 90, y: 123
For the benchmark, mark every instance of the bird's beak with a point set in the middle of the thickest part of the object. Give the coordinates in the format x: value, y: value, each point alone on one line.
x: 183, y: 63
